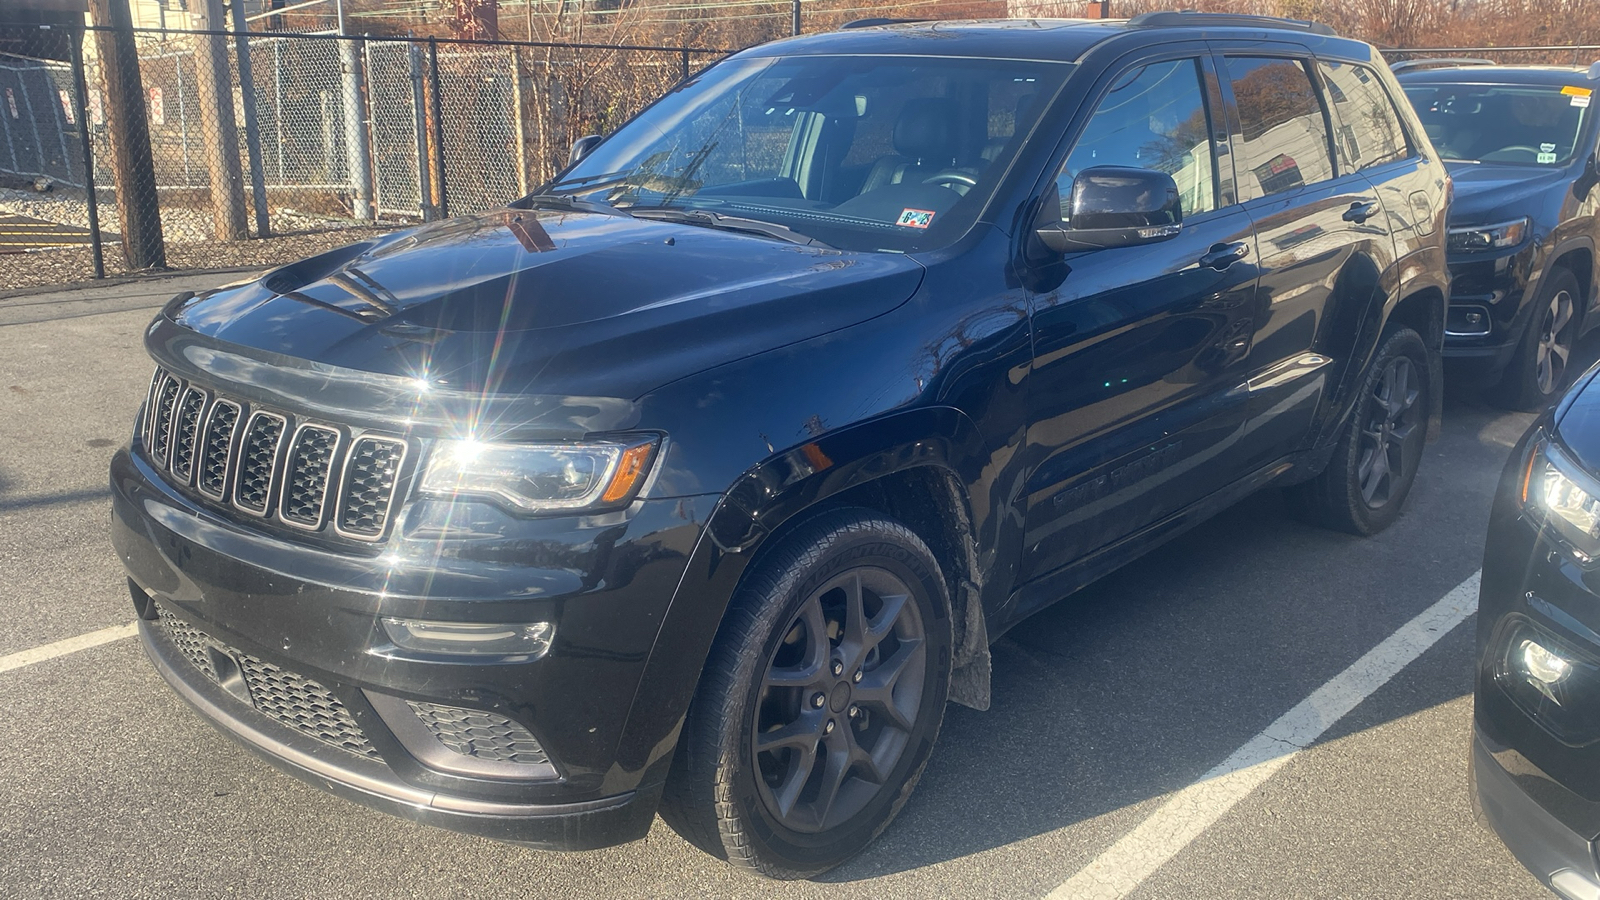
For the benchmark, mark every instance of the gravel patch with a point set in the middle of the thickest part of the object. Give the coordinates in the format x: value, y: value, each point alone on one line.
x: 187, y: 233
x: 179, y: 224
x: 50, y: 269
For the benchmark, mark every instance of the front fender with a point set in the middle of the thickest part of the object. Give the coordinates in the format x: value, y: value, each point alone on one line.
x: 755, y: 511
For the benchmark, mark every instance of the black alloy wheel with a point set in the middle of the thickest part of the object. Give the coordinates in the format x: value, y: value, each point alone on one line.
x: 1391, y: 442
x: 1541, y: 368
x: 820, y: 701
x: 840, y: 699
x: 1375, y: 462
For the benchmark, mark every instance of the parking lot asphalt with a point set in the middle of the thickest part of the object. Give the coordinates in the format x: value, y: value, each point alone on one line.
x: 1103, y: 705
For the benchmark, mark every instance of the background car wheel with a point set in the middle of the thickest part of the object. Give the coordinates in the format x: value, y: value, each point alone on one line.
x: 1375, y: 463
x: 820, y: 702
x: 1539, y: 371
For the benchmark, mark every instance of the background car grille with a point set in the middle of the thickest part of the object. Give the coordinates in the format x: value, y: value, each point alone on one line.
x: 480, y: 734
x: 294, y: 701
x: 234, y: 455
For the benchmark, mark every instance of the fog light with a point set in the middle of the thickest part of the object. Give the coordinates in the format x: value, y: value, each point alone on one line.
x: 530, y: 640
x: 1543, y: 667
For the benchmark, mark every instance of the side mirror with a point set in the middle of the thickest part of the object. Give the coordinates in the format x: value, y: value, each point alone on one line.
x: 583, y: 147
x: 1114, y: 206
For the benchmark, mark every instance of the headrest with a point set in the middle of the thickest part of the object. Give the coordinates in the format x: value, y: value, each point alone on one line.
x: 926, y: 129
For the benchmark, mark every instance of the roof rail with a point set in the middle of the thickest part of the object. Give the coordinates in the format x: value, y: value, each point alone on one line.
x: 1408, y: 64
x: 1226, y: 20
x: 877, y: 21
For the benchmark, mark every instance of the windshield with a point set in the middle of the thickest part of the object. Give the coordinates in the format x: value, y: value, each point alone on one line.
x: 860, y: 153
x: 1521, y: 124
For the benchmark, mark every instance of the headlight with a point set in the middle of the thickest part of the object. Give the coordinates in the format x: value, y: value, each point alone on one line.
x: 540, y: 477
x: 1566, y: 498
x: 1489, y: 237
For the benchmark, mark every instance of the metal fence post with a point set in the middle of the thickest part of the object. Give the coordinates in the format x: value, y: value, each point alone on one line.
x: 221, y: 138
x: 519, y: 95
x: 419, y: 114
x: 138, y: 204
x: 80, y: 104
x: 683, y: 63
x: 252, y: 127
x: 438, y: 126
x: 357, y: 148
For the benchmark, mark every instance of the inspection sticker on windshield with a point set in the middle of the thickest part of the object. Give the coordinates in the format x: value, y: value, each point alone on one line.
x: 915, y: 218
x: 1580, y: 95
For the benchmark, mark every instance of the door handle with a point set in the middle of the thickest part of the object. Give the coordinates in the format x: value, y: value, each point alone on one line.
x: 1360, y: 211
x: 1222, y: 256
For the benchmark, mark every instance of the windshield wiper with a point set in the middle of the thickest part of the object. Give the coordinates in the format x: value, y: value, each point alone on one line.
x: 567, y: 202
x: 708, y: 219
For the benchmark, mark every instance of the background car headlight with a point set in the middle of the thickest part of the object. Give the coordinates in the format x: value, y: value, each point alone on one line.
x: 1565, y: 497
x: 1489, y: 237
x: 540, y: 477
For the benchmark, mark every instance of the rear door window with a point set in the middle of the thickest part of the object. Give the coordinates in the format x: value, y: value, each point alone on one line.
x: 1282, y: 143
x: 1369, y: 131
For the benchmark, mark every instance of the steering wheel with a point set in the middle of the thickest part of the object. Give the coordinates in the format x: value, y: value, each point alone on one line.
x: 1497, y: 156
x: 951, y: 178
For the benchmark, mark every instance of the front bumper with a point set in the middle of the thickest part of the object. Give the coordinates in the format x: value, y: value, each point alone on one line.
x: 1536, y: 746
x: 1488, y: 307
x: 1560, y: 857
x: 556, y: 826
x: 607, y: 584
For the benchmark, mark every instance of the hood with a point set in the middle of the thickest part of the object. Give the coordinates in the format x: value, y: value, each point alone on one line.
x: 1577, y: 421
x: 1486, y: 193
x: 553, y: 303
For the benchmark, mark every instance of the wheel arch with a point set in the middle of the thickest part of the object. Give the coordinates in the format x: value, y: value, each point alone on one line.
x: 915, y: 466
x: 1423, y: 311
x: 1578, y: 257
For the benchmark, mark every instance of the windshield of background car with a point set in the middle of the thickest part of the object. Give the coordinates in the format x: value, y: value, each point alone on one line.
x: 859, y: 152
x: 1521, y: 124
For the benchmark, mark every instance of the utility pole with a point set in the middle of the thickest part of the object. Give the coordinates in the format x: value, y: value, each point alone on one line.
x: 221, y: 130
x: 133, y: 171
x: 357, y: 149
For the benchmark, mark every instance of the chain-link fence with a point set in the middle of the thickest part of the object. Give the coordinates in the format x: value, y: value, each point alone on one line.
x: 311, y: 137
x: 223, y: 149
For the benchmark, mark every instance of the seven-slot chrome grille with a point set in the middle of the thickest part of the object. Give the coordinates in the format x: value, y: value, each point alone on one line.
x: 307, y: 475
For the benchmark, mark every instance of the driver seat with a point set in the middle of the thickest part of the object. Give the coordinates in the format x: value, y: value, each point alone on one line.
x: 924, y: 143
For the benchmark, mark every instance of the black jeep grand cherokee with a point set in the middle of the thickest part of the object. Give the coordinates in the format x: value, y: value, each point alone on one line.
x: 703, y: 478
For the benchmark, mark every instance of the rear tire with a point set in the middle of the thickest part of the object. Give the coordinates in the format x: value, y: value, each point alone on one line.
x: 820, y: 702
x: 1375, y: 462
x: 1540, y: 371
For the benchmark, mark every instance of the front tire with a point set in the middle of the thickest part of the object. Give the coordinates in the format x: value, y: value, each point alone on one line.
x: 821, y: 699
x: 1539, y: 371
x: 1375, y: 462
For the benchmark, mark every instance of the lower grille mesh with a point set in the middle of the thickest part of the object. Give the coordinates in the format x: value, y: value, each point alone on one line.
x: 294, y: 701
x: 480, y: 734
x: 304, y: 705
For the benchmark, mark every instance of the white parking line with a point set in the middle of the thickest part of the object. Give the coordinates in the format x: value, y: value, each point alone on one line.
x: 70, y: 645
x: 1188, y: 813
